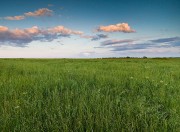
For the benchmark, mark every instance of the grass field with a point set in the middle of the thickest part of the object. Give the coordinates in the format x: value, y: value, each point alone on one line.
x: 90, y: 95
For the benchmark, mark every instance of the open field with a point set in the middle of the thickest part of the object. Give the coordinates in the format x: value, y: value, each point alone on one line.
x: 89, y: 95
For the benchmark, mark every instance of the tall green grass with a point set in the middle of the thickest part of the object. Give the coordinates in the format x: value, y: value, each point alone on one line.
x: 89, y: 95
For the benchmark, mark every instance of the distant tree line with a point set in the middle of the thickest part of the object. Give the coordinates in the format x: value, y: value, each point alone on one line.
x: 144, y: 57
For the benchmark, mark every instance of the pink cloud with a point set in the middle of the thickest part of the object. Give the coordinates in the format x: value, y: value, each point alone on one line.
x: 37, y: 13
x: 40, y: 12
x: 21, y: 37
x: 3, y: 29
x: 63, y: 30
x: 15, y: 18
x: 120, y: 27
x: 33, y: 31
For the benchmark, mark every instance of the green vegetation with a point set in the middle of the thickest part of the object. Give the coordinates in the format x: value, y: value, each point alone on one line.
x: 89, y: 95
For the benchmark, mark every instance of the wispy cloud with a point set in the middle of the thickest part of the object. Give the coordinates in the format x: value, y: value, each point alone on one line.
x: 116, y: 42
x: 50, y: 5
x: 99, y: 36
x: 120, y: 27
x: 15, y: 18
x: 22, y: 37
x: 95, y: 37
x: 133, y: 47
x: 166, y: 40
x: 154, y: 50
x: 87, y: 53
x: 39, y: 12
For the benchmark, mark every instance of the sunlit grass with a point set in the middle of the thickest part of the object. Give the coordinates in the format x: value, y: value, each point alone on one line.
x: 89, y: 95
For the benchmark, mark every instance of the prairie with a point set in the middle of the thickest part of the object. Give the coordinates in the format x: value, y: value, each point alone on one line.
x: 90, y: 94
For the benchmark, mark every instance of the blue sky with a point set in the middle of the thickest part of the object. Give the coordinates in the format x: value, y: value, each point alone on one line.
x: 89, y: 28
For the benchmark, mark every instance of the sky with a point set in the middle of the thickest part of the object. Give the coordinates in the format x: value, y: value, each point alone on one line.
x: 89, y: 28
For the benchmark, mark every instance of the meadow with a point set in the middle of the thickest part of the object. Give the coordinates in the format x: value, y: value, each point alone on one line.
x: 90, y: 95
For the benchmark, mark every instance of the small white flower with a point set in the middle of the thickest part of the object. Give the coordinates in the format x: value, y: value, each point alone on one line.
x: 161, y: 81
x: 16, y: 107
x: 131, y: 77
x: 99, y: 90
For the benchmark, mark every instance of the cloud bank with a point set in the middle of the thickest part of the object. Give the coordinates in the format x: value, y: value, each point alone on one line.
x: 166, y: 40
x: 22, y: 37
x: 134, y: 44
x: 120, y: 27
